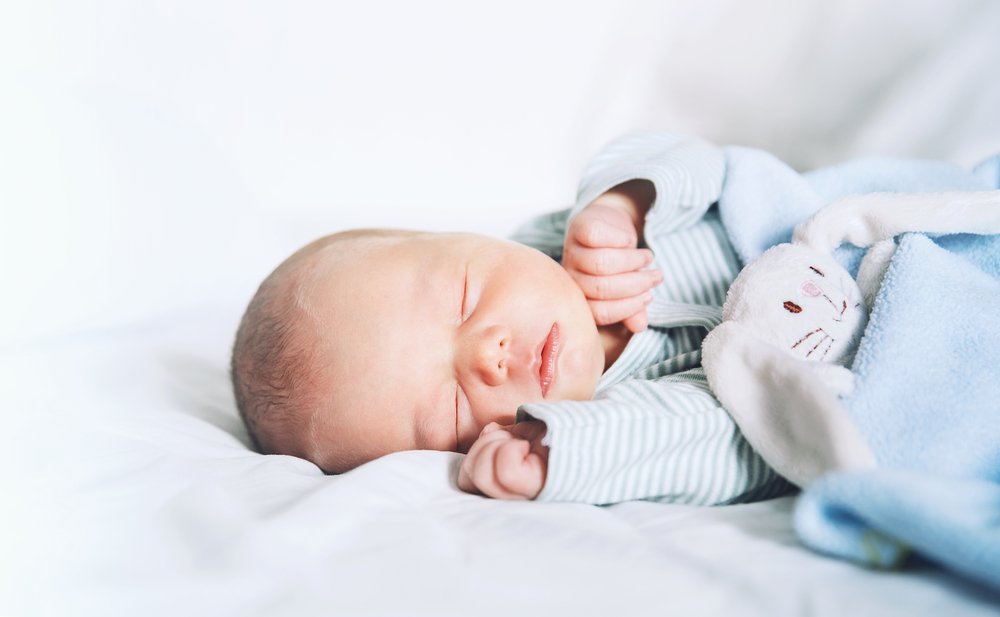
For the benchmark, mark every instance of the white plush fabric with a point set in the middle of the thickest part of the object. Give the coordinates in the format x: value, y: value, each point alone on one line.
x: 157, y: 159
x: 775, y: 361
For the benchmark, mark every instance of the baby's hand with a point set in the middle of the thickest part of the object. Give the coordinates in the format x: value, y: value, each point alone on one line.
x: 602, y: 255
x: 506, y: 462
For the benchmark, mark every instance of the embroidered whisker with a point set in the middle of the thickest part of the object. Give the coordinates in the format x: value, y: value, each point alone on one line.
x: 829, y: 346
x: 825, y: 337
x: 798, y: 342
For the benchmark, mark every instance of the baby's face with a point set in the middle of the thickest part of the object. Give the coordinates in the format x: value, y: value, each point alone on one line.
x: 429, y: 337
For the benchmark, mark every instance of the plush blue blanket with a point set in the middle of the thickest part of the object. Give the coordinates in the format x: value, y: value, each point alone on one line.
x: 927, y: 397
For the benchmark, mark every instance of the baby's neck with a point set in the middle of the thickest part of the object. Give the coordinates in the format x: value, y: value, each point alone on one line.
x: 613, y: 339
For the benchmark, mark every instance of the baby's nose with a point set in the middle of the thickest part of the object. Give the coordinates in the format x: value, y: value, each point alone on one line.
x: 491, y: 355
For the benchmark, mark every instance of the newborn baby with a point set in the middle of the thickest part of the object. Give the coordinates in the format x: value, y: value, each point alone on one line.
x: 375, y: 341
x: 369, y: 342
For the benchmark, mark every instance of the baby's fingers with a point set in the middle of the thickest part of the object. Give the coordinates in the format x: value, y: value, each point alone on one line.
x: 518, y: 470
x: 612, y: 311
x: 618, y: 286
x: 637, y: 322
x: 486, y: 473
x: 478, y: 469
x: 473, y: 475
x: 606, y: 261
x: 601, y: 226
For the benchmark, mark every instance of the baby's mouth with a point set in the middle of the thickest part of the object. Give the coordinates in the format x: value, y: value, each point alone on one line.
x: 549, y: 354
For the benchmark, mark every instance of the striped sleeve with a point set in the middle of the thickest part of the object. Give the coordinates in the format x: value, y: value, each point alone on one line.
x: 687, y: 173
x: 666, y: 439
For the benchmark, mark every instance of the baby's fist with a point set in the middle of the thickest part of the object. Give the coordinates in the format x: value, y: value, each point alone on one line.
x: 506, y: 462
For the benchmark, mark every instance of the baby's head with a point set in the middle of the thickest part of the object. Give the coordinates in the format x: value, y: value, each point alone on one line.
x: 375, y: 341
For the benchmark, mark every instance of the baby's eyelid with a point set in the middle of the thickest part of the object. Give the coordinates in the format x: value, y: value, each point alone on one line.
x: 458, y: 439
x: 459, y: 394
x: 465, y: 295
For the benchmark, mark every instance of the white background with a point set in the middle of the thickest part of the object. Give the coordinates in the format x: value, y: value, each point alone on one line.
x: 157, y: 154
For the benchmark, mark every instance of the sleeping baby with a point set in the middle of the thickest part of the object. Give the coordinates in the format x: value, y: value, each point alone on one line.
x: 566, y: 365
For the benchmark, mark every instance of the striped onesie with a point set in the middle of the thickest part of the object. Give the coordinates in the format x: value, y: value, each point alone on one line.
x: 653, y: 429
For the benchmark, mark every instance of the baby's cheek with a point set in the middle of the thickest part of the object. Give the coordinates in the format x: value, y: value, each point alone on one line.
x: 496, y: 408
x: 578, y: 372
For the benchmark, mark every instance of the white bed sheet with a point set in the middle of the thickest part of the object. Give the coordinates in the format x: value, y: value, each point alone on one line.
x: 157, y: 159
x: 164, y: 510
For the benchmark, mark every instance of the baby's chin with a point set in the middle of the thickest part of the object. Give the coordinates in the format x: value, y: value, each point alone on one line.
x: 579, y: 367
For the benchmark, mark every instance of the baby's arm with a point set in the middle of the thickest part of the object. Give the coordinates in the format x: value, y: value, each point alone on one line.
x: 506, y: 462
x: 602, y: 255
x: 667, y: 439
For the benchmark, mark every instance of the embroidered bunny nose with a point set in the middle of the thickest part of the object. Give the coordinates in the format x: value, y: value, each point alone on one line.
x: 810, y: 288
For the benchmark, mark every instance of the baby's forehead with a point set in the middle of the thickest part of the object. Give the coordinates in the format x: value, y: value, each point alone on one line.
x: 380, y: 248
x: 387, y: 253
x: 356, y: 243
x: 339, y: 258
x: 361, y: 281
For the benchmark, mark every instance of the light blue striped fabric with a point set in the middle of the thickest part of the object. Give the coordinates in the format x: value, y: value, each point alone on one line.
x: 654, y: 430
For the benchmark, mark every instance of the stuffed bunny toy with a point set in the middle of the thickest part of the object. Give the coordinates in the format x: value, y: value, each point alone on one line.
x: 794, y: 316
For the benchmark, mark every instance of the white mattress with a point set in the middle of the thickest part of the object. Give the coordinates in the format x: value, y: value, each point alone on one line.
x: 157, y: 161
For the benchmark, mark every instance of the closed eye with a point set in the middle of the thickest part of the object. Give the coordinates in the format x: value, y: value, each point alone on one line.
x: 465, y: 295
x: 458, y: 439
x: 816, y: 270
x: 460, y: 396
x: 791, y: 307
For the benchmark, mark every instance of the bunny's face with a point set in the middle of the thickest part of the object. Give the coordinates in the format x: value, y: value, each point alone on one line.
x: 800, y: 300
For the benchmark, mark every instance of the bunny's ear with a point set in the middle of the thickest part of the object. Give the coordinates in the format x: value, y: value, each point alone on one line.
x: 872, y: 269
x: 787, y: 409
x: 863, y: 220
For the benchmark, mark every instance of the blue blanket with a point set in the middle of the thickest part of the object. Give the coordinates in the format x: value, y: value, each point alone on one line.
x: 927, y: 396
